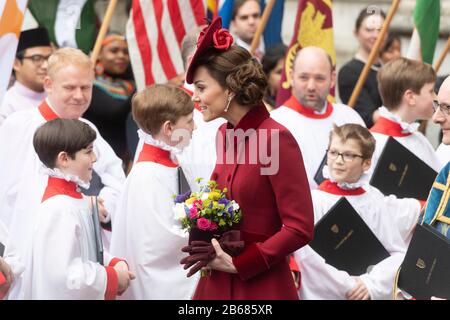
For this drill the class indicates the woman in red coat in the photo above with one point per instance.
(260, 163)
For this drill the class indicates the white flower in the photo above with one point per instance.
(235, 206)
(205, 196)
(178, 209)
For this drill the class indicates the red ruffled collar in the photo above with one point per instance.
(333, 188)
(388, 127)
(151, 153)
(295, 105)
(57, 186)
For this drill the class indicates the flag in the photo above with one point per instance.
(313, 27)
(272, 32)
(225, 12)
(212, 9)
(11, 18)
(426, 16)
(70, 23)
(155, 31)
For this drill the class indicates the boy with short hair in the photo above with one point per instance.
(63, 262)
(145, 231)
(348, 159)
(407, 90)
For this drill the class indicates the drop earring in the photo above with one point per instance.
(228, 103)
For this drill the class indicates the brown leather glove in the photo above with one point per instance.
(202, 252)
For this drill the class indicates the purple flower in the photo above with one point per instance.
(224, 201)
(182, 197)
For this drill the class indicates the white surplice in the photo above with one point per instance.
(443, 154)
(19, 97)
(384, 216)
(63, 263)
(147, 235)
(312, 134)
(23, 182)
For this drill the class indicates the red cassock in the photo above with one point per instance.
(277, 212)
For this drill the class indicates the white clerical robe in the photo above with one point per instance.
(320, 280)
(312, 131)
(19, 97)
(443, 154)
(23, 183)
(146, 233)
(12, 258)
(63, 263)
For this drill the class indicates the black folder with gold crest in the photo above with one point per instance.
(425, 271)
(97, 230)
(345, 241)
(318, 177)
(2, 249)
(402, 173)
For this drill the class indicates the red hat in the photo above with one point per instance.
(211, 37)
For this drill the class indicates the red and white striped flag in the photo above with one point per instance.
(155, 31)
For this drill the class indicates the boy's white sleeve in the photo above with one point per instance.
(59, 269)
(320, 280)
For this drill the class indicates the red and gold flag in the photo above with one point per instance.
(313, 27)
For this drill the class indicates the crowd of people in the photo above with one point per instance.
(74, 134)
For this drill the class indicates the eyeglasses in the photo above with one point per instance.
(37, 59)
(346, 156)
(445, 108)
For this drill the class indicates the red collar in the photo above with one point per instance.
(333, 188)
(57, 186)
(293, 103)
(388, 127)
(252, 119)
(151, 153)
(190, 93)
(47, 112)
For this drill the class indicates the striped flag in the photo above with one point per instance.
(155, 31)
(11, 19)
(212, 9)
(313, 27)
(70, 23)
(426, 15)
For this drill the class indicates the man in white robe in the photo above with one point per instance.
(30, 69)
(69, 88)
(307, 114)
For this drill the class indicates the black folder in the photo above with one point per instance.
(425, 271)
(318, 177)
(97, 230)
(345, 241)
(183, 185)
(2, 249)
(402, 173)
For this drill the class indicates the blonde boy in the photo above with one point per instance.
(145, 231)
(348, 159)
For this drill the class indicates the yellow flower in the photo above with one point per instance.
(190, 200)
(215, 195)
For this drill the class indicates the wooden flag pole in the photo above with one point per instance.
(262, 25)
(442, 56)
(103, 30)
(373, 54)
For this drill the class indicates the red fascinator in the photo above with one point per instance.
(212, 36)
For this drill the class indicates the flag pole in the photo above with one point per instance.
(373, 54)
(442, 56)
(262, 25)
(103, 30)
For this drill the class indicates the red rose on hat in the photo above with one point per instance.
(222, 39)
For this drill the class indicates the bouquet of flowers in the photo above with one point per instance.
(208, 210)
(207, 214)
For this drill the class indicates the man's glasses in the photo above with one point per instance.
(37, 59)
(445, 108)
(346, 156)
